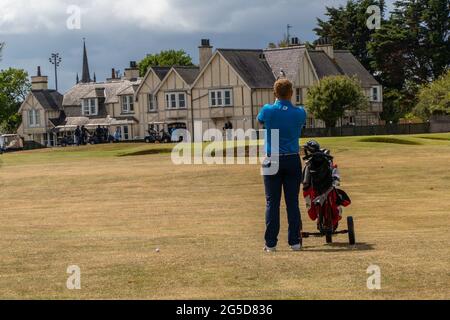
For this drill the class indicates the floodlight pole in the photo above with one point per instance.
(55, 59)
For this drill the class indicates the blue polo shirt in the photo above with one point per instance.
(289, 120)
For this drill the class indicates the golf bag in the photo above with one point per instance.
(320, 181)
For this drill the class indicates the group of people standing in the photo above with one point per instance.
(83, 136)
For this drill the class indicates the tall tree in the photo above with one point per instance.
(434, 98)
(332, 96)
(347, 27)
(165, 58)
(411, 49)
(14, 87)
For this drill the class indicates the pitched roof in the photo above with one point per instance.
(323, 64)
(352, 67)
(251, 67)
(189, 74)
(111, 90)
(286, 60)
(95, 93)
(49, 99)
(161, 72)
(58, 121)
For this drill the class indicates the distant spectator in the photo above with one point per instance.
(117, 135)
(84, 135)
(77, 136)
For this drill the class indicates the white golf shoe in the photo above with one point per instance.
(268, 249)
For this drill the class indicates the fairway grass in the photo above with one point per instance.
(109, 208)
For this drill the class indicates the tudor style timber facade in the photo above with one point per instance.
(229, 85)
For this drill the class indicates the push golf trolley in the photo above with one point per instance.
(323, 199)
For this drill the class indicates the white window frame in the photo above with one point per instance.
(34, 118)
(152, 103)
(89, 107)
(372, 96)
(173, 100)
(217, 98)
(127, 104)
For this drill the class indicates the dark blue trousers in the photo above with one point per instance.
(288, 179)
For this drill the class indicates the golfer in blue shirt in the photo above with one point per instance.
(289, 121)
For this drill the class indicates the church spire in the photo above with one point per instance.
(85, 77)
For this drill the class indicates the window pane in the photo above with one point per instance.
(228, 98)
(30, 118)
(219, 98)
(173, 101)
(150, 102)
(181, 100)
(92, 107)
(130, 103)
(213, 98)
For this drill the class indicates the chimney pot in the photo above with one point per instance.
(295, 41)
(39, 71)
(205, 43)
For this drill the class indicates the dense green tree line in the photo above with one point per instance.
(408, 51)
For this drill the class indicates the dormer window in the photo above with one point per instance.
(90, 107)
(34, 119)
(127, 104)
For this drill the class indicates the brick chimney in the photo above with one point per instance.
(205, 52)
(113, 75)
(132, 72)
(39, 82)
(325, 45)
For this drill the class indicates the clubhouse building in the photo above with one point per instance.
(228, 85)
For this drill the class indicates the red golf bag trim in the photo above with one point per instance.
(334, 200)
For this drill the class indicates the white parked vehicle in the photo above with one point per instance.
(10, 142)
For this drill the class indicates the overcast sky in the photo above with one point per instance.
(118, 31)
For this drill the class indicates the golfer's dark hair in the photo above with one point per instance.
(283, 88)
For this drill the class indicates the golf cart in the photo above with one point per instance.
(158, 137)
(324, 200)
(10, 142)
(172, 132)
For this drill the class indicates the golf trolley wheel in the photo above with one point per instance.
(351, 231)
